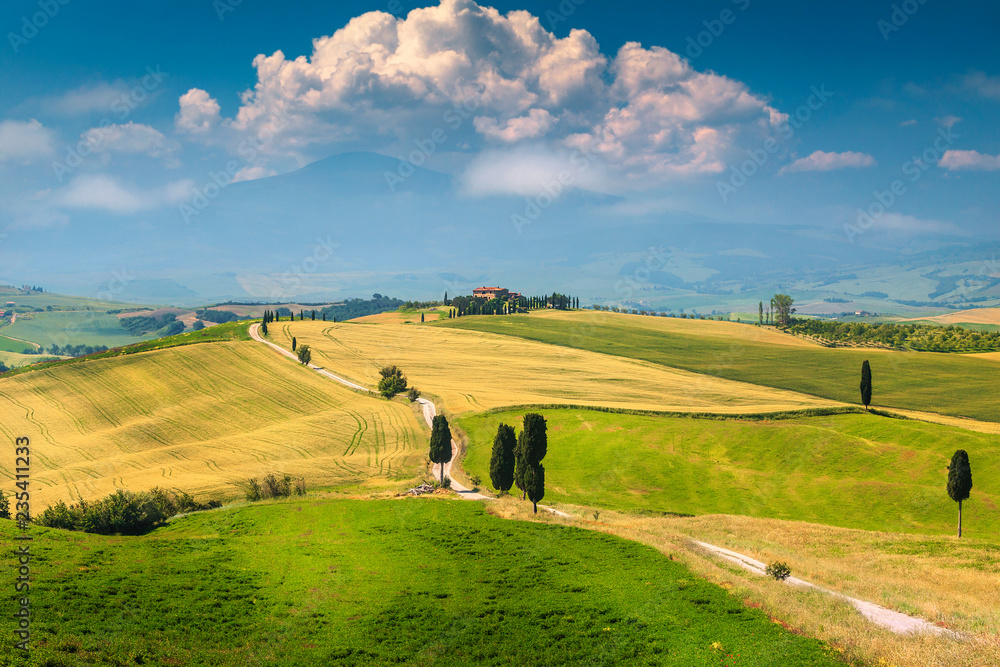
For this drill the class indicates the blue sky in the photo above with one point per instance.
(663, 123)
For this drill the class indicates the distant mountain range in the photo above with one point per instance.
(348, 226)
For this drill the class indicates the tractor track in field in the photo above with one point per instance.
(896, 622)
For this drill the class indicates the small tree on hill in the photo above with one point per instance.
(440, 442)
(782, 307)
(866, 383)
(393, 381)
(294, 343)
(304, 354)
(534, 482)
(959, 481)
(502, 461)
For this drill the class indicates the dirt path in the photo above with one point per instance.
(892, 620)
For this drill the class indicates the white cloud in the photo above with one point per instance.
(102, 192)
(530, 171)
(948, 121)
(99, 97)
(987, 86)
(253, 173)
(381, 83)
(24, 140)
(908, 123)
(901, 223)
(129, 138)
(199, 112)
(537, 123)
(822, 161)
(969, 160)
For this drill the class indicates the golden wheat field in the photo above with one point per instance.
(197, 417)
(473, 371)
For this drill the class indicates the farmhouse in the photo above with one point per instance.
(491, 292)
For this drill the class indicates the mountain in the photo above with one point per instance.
(358, 222)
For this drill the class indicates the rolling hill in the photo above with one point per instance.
(196, 418)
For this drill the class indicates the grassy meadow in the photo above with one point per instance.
(71, 327)
(471, 372)
(954, 384)
(856, 471)
(948, 581)
(195, 418)
(348, 582)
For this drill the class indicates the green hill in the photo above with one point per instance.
(855, 471)
(411, 582)
(954, 384)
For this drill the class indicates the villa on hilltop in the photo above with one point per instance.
(496, 293)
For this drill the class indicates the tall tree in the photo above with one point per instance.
(440, 442)
(294, 343)
(760, 312)
(446, 302)
(781, 304)
(520, 464)
(535, 439)
(959, 481)
(421, 318)
(866, 383)
(324, 316)
(314, 316)
(534, 482)
(263, 328)
(502, 460)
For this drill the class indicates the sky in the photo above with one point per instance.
(842, 115)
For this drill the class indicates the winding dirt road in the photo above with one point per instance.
(892, 620)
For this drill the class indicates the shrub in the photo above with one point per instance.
(124, 513)
(444, 483)
(4, 505)
(277, 488)
(250, 488)
(476, 480)
(393, 381)
(778, 571)
(413, 394)
(300, 486)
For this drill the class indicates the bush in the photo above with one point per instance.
(393, 381)
(300, 486)
(4, 506)
(122, 513)
(413, 394)
(60, 516)
(250, 488)
(198, 325)
(442, 484)
(778, 571)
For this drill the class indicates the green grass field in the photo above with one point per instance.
(71, 328)
(952, 384)
(854, 471)
(11, 345)
(411, 582)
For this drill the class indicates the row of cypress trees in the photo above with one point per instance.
(518, 460)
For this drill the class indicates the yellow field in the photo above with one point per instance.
(396, 317)
(972, 316)
(474, 371)
(197, 417)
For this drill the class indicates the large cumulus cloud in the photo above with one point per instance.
(381, 82)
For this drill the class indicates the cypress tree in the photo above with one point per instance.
(959, 481)
(324, 316)
(866, 383)
(760, 312)
(502, 461)
(520, 463)
(534, 482)
(263, 328)
(535, 439)
(294, 343)
(440, 442)
(314, 316)
(446, 299)
(421, 318)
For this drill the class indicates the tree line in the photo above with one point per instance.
(919, 337)
(517, 460)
